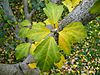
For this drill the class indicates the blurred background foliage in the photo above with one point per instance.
(85, 56)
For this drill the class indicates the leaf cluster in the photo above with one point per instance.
(45, 48)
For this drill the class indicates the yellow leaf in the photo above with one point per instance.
(33, 46)
(83, 74)
(71, 4)
(47, 22)
(56, 25)
(72, 33)
(68, 4)
(75, 2)
(32, 65)
(64, 44)
(38, 23)
(61, 62)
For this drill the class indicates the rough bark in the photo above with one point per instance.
(6, 69)
(55, 1)
(80, 13)
(26, 9)
(19, 68)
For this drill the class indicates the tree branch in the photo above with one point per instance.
(26, 9)
(55, 1)
(19, 68)
(32, 12)
(27, 14)
(80, 13)
(7, 10)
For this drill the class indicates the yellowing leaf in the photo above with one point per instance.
(38, 32)
(72, 33)
(33, 46)
(40, 24)
(64, 44)
(53, 12)
(61, 62)
(68, 4)
(75, 2)
(47, 22)
(46, 54)
(71, 4)
(32, 65)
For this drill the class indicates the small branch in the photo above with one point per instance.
(27, 14)
(55, 1)
(26, 8)
(12, 69)
(19, 68)
(32, 12)
(80, 13)
(9, 46)
(7, 10)
(29, 59)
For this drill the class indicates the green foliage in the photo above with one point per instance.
(48, 47)
(46, 54)
(22, 32)
(22, 50)
(38, 32)
(37, 4)
(53, 12)
(72, 33)
(25, 23)
(44, 47)
(96, 8)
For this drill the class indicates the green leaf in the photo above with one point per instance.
(25, 23)
(22, 50)
(72, 33)
(22, 32)
(38, 24)
(46, 54)
(96, 8)
(38, 32)
(71, 4)
(53, 12)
